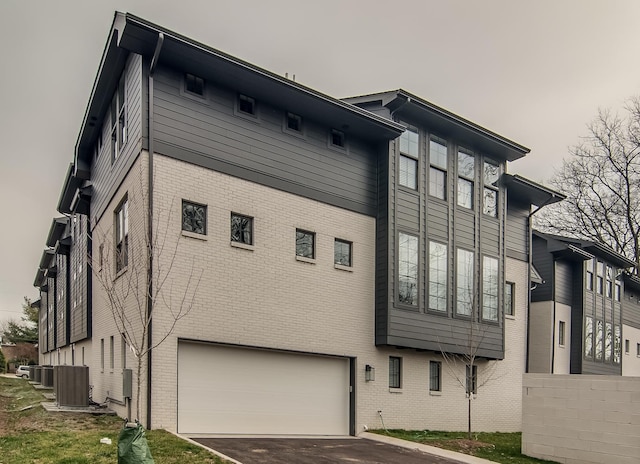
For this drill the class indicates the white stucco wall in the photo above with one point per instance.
(631, 359)
(562, 353)
(541, 336)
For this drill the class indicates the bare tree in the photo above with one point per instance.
(137, 272)
(602, 182)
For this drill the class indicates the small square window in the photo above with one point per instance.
(194, 217)
(294, 122)
(395, 373)
(342, 252)
(337, 138)
(194, 84)
(305, 244)
(241, 229)
(246, 104)
(435, 373)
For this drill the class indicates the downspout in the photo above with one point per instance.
(530, 255)
(152, 68)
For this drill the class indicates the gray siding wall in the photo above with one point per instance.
(43, 329)
(516, 235)
(51, 314)
(543, 262)
(563, 282)
(210, 132)
(80, 308)
(415, 212)
(631, 308)
(577, 318)
(383, 239)
(106, 176)
(61, 301)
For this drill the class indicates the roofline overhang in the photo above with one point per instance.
(58, 226)
(39, 279)
(45, 260)
(632, 281)
(533, 192)
(490, 143)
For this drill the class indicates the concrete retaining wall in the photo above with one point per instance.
(581, 419)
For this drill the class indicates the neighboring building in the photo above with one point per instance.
(583, 309)
(344, 247)
(631, 325)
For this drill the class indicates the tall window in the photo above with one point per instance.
(466, 171)
(608, 342)
(464, 282)
(435, 374)
(194, 217)
(122, 235)
(618, 290)
(509, 295)
(241, 229)
(118, 120)
(609, 281)
(599, 342)
(438, 169)
(305, 244)
(102, 354)
(409, 149)
(342, 252)
(617, 345)
(395, 372)
(588, 337)
(472, 379)
(626, 346)
(437, 276)
(489, 288)
(561, 327)
(111, 354)
(599, 280)
(490, 193)
(123, 351)
(589, 282)
(407, 269)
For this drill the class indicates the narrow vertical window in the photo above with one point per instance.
(608, 342)
(342, 252)
(472, 379)
(626, 346)
(617, 345)
(638, 349)
(490, 193)
(241, 229)
(305, 244)
(561, 326)
(600, 277)
(123, 351)
(588, 337)
(111, 354)
(102, 354)
(464, 282)
(118, 120)
(466, 172)
(395, 373)
(589, 275)
(122, 235)
(194, 217)
(438, 160)
(435, 373)
(489, 288)
(508, 298)
(609, 287)
(599, 342)
(618, 291)
(408, 269)
(437, 276)
(409, 149)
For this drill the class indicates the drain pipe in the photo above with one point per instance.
(152, 68)
(382, 420)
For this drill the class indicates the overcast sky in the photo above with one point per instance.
(535, 72)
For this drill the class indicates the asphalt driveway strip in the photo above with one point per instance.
(317, 451)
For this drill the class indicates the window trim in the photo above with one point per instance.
(123, 207)
(393, 375)
(341, 135)
(285, 124)
(304, 258)
(119, 119)
(254, 115)
(430, 280)
(471, 180)
(435, 377)
(193, 233)
(350, 249)
(473, 283)
(561, 333)
(485, 259)
(512, 299)
(185, 86)
(399, 302)
(239, 243)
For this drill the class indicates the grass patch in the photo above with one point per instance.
(498, 447)
(36, 436)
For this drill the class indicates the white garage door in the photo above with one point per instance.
(248, 391)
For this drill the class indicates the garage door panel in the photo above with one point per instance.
(236, 390)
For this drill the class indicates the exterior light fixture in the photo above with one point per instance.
(369, 373)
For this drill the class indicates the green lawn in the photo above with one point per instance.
(34, 435)
(497, 447)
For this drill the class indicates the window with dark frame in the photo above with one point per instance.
(337, 138)
(118, 120)
(305, 244)
(588, 337)
(408, 269)
(561, 327)
(509, 295)
(246, 104)
(638, 350)
(122, 235)
(437, 276)
(491, 173)
(241, 229)
(466, 173)
(435, 374)
(589, 282)
(464, 282)
(194, 84)
(626, 346)
(395, 372)
(111, 354)
(472, 379)
(438, 159)
(489, 288)
(600, 278)
(408, 164)
(194, 217)
(342, 252)
(294, 122)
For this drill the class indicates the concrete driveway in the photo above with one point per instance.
(319, 451)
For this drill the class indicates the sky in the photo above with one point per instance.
(535, 72)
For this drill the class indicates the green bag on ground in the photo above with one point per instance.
(132, 445)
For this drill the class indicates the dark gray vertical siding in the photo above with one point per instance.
(464, 230)
(490, 236)
(563, 282)
(438, 221)
(208, 132)
(61, 301)
(43, 329)
(106, 176)
(408, 210)
(51, 314)
(80, 275)
(577, 318)
(631, 308)
(383, 239)
(543, 262)
(517, 237)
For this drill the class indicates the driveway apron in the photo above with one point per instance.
(317, 451)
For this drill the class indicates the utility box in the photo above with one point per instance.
(71, 385)
(127, 383)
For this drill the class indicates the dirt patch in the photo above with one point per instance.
(461, 445)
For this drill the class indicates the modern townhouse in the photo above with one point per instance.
(585, 309)
(326, 264)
